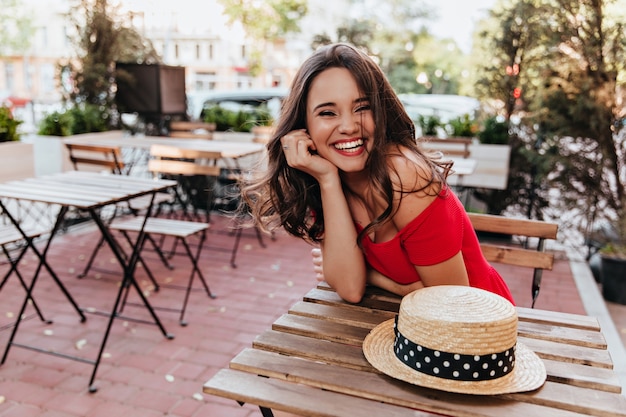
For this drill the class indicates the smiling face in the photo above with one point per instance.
(340, 120)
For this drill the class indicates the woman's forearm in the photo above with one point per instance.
(344, 265)
(379, 280)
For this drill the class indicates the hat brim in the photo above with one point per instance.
(528, 374)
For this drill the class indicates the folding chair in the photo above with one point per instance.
(181, 231)
(98, 156)
(227, 198)
(11, 237)
(194, 170)
(108, 157)
(177, 163)
(191, 130)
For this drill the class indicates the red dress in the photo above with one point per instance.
(438, 233)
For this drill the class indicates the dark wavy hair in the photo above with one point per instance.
(287, 197)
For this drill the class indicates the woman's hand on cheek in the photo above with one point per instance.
(301, 153)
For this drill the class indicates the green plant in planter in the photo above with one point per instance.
(615, 245)
(56, 124)
(429, 124)
(237, 121)
(462, 126)
(494, 132)
(613, 261)
(88, 118)
(77, 119)
(8, 125)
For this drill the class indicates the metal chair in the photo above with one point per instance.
(180, 164)
(11, 240)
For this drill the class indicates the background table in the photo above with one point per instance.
(231, 151)
(311, 364)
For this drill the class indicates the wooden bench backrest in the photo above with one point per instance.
(101, 156)
(457, 146)
(537, 258)
(191, 130)
(179, 161)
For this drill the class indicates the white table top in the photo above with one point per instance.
(84, 190)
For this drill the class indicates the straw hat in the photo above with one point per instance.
(456, 339)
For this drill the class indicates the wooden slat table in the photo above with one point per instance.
(311, 364)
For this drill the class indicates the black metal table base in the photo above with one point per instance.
(128, 281)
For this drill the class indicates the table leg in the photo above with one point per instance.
(266, 412)
(42, 262)
(13, 269)
(41, 256)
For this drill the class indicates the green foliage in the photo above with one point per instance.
(237, 121)
(88, 118)
(571, 79)
(17, 27)
(8, 125)
(462, 126)
(267, 19)
(494, 132)
(56, 124)
(73, 121)
(104, 36)
(429, 124)
(614, 250)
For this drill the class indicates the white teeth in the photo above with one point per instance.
(348, 145)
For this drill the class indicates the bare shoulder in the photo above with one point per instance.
(408, 169)
(414, 189)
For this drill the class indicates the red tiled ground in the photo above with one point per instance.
(143, 373)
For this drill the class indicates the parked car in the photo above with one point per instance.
(444, 106)
(236, 100)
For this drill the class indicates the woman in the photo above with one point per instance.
(345, 171)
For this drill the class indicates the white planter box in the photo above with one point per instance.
(50, 154)
(16, 161)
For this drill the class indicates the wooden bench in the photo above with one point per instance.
(191, 130)
(522, 255)
(457, 146)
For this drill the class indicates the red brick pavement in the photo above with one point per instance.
(143, 374)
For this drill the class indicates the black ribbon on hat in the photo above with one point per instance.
(455, 366)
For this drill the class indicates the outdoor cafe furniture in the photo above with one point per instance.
(230, 152)
(89, 192)
(311, 363)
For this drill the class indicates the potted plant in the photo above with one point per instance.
(8, 126)
(17, 156)
(613, 260)
(461, 127)
(429, 125)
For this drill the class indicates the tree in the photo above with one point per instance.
(391, 32)
(571, 76)
(576, 106)
(103, 37)
(265, 21)
(16, 27)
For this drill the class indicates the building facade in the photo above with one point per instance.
(215, 54)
